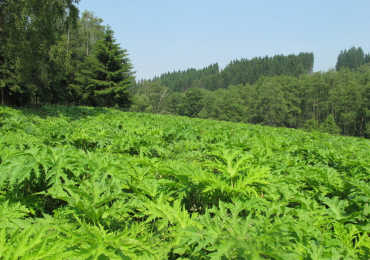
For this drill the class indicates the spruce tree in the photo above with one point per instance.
(107, 74)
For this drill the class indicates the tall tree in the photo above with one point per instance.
(271, 105)
(192, 103)
(28, 30)
(107, 74)
(91, 30)
(353, 58)
(82, 43)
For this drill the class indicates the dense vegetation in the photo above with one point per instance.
(96, 183)
(353, 58)
(238, 72)
(48, 55)
(306, 101)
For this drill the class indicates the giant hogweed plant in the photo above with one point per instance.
(235, 231)
(232, 172)
(84, 183)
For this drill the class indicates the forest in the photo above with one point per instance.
(335, 101)
(51, 54)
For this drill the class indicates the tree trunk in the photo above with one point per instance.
(87, 46)
(160, 100)
(313, 108)
(68, 40)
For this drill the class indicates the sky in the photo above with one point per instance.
(172, 35)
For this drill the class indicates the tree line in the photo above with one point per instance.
(332, 101)
(51, 55)
(241, 71)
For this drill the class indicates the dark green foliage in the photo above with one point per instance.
(175, 100)
(80, 43)
(238, 72)
(353, 58)
(367, 58)
(29, 34)
(249, 71)
(283, 101)
(191, 104)
(106, 75)
(228, 105)
(277, 102)
(43, 45)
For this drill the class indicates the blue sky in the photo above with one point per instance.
(165, 35)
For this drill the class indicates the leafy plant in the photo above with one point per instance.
(84, 183)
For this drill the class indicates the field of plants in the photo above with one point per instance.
(94, 183)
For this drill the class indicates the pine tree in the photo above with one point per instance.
(107, 74)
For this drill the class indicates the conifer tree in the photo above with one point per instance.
(107, 74)
(353, 58)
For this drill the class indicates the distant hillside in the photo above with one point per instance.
(241, 71)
